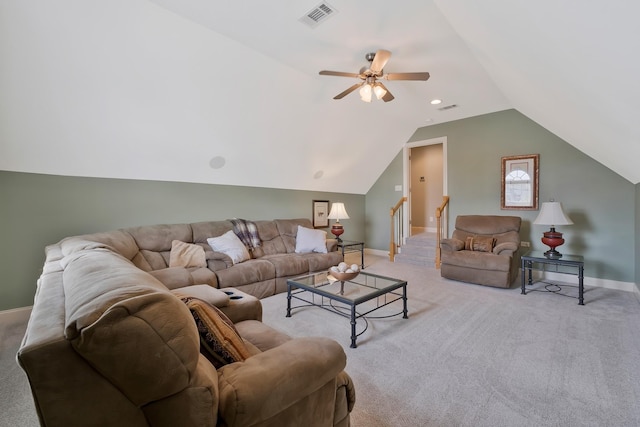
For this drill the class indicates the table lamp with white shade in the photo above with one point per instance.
(338, 212)
(551, 214)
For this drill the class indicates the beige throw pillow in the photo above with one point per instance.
(206, 293)
(186, 255)
(479, 243)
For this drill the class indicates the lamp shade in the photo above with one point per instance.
(379, 90)
(338, 212)
(365, 92)
(551, 214)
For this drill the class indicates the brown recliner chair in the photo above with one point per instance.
(483, 249)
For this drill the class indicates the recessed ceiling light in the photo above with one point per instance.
(436, 101)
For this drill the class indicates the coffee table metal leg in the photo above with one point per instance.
(288, 300)
(404, 302)
(353, 327)
(581, 285)
(523, 277)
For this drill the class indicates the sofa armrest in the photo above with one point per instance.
(332, 245)
(505, 247)
(270, 382)
(451, 245)
(344, 380)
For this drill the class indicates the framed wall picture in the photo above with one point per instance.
(519, 178)
(320, 213)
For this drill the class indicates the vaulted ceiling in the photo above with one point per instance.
(229, 92)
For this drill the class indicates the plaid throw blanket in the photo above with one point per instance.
(247, 232)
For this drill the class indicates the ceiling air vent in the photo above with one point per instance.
(318, 14)
(448, 107)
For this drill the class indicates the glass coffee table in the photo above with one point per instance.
(322, 290)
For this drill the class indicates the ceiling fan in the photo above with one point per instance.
(369, 76)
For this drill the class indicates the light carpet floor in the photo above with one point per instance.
(468, 355)
(472, 355)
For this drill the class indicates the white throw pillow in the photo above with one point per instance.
(230, 245)
(308, 240)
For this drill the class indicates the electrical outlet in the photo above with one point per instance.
(525, 244)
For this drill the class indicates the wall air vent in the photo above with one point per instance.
(448, 107)
(318, 14)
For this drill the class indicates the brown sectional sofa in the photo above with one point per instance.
(109, 341)
(265, 274)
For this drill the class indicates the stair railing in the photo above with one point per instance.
(441, 227)
(397, 228)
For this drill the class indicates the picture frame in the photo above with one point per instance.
(320, 213)
(519, 182)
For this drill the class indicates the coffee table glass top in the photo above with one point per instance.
(363, 287)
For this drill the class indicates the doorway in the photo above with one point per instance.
(425, 183)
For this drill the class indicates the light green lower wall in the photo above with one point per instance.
(380, 199)
(601, 203)
(37, 210)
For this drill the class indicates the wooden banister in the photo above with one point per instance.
(440, 227)
(392, 242)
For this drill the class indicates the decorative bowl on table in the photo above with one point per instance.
(343, 276)
(344, 272)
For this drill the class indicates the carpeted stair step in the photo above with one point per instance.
(419, 249)
(414, 260)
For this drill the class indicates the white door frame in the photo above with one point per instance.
(406, 171)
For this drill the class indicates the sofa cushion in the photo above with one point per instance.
(220, 342)
(260, 335)
(308, 240)
(186, 255)
(206, 293)
(203, 230)
(288, 264)
(118, 241)
(158, 238)
(271, 241)
(319, 262)
(288, 229)
(477, 260)
(138, 337)
(94, 280)
(230, 245)
(250, 271)
(488, 224)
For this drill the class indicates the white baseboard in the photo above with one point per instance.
(593, 281)
(567, 278)
(376, 252)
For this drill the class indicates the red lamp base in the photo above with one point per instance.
(337, 230)
(553, 239)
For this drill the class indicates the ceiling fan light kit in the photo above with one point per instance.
(369, 76)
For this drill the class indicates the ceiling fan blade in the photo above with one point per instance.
(337, 73)
(387, 96)
(348, 91)
(380, 60)
(407, 76)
